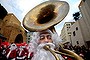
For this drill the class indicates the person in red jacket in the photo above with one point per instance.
(2, 48)
(11, 52)
(22, 52)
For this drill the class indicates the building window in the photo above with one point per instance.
(77, 42)
(68, 24)
(69, 32)
(5, 20)
(76, 28)
(28, 35)
(74, 33)
(28, 38)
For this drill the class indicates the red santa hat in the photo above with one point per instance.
(5, 44)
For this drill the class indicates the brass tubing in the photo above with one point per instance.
(64, 54)
(76, 57)
(48, 48)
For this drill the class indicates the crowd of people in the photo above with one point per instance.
(15, 51)
(82, 51)
(35, 49)
(32, 51)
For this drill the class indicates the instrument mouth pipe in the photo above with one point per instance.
(64, 52)
(47, 47)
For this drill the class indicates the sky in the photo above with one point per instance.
(21, 7)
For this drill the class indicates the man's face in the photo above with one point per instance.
(45, 38)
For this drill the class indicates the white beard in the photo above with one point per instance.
(42, 54)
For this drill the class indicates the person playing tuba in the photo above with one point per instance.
(39, 40)
(45, 40)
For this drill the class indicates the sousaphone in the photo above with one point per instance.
(45, 15)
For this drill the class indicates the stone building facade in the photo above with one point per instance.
(84, 7)
(11, 28)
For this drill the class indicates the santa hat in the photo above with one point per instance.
(5, 44)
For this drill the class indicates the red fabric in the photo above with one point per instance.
(31, 55)
(12, 54)
(23, 53)
(5, 44)
(18, 45)
(68, 58)
(0, 48)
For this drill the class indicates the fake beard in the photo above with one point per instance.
(42, 54)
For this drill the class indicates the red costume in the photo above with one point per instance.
(22, 52)
(11, 52)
